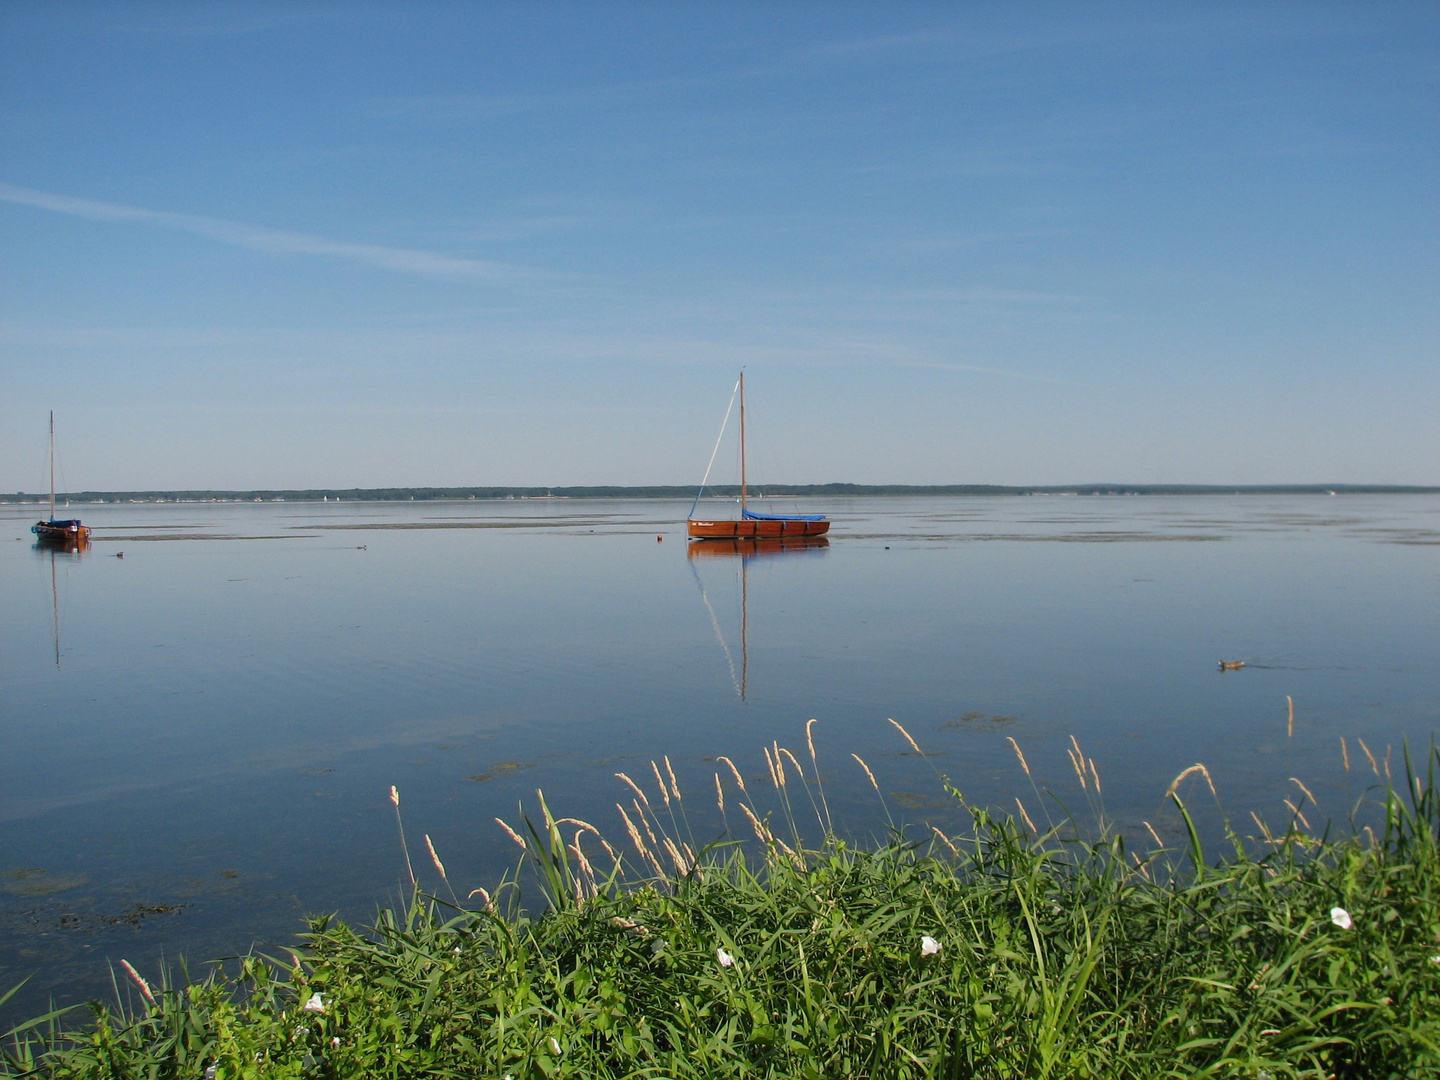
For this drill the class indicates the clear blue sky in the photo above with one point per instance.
(346, 244)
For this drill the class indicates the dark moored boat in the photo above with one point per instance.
(67, 532)
(751, 524)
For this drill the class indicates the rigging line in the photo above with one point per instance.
(716, 450)
(714, 622)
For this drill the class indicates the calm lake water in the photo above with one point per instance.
(197, 741)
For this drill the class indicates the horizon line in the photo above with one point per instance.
(430, 493)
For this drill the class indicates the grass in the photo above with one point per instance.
(1005, 952)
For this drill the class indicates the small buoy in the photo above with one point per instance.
(659, 539)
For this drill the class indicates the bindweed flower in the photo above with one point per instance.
(726, 960)
(929, 946)
(335, 1042)
(316, 1004)
(1341, 918)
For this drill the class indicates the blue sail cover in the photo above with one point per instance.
(751, 515)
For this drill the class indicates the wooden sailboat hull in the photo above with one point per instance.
(747, 528)
(60, 532)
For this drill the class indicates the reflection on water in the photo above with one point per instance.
(747, 548)
(197, 741)
(744, 550)
(53, 549)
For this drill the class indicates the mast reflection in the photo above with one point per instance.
(746, 550)
(57, 549)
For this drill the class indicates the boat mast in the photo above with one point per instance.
(52, 464)
(742, 444)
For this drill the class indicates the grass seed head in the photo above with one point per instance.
(913, 744)
(946, 841)
(1192, 770)
(435, 858)
(633, 787)
(674, 784)
(868, 773)
(660, 783)
(740, 780)
(139, 981)
(513, 835)
(1023, 763)
(1026, 817)
(1374, 765)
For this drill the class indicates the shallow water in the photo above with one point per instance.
(199, 737)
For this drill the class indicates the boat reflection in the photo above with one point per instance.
(746, 549)
(50, 545)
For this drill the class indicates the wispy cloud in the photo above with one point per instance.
(431, 264)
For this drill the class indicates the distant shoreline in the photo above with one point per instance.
(432, 494)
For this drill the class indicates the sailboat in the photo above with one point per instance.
(52, 531)
(750, 524)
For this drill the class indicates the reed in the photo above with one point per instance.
(1003, 952)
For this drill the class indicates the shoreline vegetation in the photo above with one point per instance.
(1013, 950)
(432, 494)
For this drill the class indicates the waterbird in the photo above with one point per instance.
(1231, 665)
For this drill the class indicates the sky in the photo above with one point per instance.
(334, 245)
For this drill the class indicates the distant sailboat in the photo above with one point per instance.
(750, 524)
(68, 532)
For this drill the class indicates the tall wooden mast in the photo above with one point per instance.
(52, 464)
(742, 442)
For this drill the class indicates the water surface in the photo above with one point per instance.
(199, 737)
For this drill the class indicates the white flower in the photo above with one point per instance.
(335, 1042)
(316, 1004)
(726, 960)
(555, 1045)
(1341, 918)
(1435, 959)
(929, 946)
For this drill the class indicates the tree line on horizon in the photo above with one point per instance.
(673, 491)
